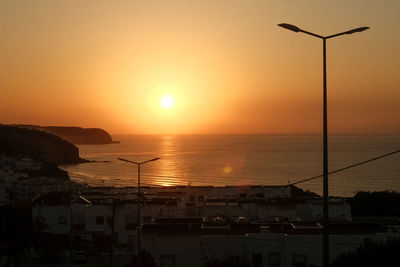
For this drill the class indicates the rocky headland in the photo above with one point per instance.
(74, 135)
(29, 161)
(37, 145)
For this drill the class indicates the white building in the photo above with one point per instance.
(281, 245)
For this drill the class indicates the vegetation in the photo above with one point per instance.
(375, 204)
(38, 145)
(78, 135)
(15, 231)
(298, 192)
(49, 170)
(372, 254)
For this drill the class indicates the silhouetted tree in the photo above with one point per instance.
(298, 192)
(15, 232)
(370, 204)
(372, 254)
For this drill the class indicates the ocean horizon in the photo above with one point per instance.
(243, 159)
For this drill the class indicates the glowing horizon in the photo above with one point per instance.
(189, 67)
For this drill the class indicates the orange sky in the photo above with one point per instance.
(227, 65)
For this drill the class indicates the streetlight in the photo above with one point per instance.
(138, 204)
(325, 218)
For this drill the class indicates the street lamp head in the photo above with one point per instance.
(289, 27)
(138, 163)
(361, 29)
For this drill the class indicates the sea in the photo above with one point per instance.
(243, 160)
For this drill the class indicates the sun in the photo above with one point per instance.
(167, 101)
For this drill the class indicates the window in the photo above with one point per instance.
(115, 238)
(62, 220)
(274, 259)
(299, 261)
(235, 260)
(99, 220)
(146, 219)
(167, 261)
(130, 227)
(131, 243)
(191, 211)
(79, 227)
(160, 212)
(109, 220)
(130, 218)
(257, 260)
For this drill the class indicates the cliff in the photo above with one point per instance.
(38, 145)
(75, 135)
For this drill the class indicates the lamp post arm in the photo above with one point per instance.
(360, 29)
(148, 161)
(138, 163)
(312, 34)
(128, 161)
(336, 35)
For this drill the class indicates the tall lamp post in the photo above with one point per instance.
(325, 218)
(139, 229)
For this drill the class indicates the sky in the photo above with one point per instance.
(200, 66)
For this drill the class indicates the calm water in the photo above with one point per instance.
(241, 160)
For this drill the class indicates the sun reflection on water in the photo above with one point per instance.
(168, 173)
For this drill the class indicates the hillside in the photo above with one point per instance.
(38, 145)
(75, 135)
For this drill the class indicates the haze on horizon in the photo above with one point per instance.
(195, 67)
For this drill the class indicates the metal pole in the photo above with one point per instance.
(325, 218)
(325, 164)
(112, 232)
(71, 236)
(139, 224)
(138, 219)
